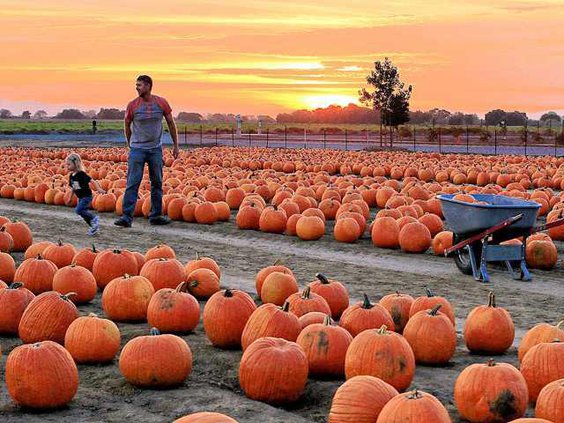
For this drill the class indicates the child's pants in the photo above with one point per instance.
(82, 209)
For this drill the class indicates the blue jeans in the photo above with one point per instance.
(135, 166)
(82, 209)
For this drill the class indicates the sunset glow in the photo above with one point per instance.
(271, 56)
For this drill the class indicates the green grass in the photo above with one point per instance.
(72, 126)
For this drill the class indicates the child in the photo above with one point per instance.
(79, 182)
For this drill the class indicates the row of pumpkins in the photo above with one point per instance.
(291, 336)
(300, 204)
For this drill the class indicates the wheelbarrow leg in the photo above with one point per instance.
(515, 274)
(525, 275)
(476, 273)
(483, 274)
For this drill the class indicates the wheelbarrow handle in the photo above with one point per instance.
(483, 234)
(546, 226)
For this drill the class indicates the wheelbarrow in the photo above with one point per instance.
(480, 229)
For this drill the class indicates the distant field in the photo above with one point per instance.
(70, 126)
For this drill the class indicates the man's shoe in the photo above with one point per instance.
(160, 220)
(123, 223)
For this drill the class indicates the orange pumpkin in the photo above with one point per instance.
(126, 299)
(173, 310)
(334, 292)
(550, 402)
(543, 332)
(415, 407)
(541, 365)
(365, 315)
(13, 301)
(75, 279)
(398, 305)
(90, 339)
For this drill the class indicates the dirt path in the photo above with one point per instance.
(213, 385)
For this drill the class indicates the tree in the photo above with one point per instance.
(26, 114)
(5, 114)
(70, 114)
(40, 114)
(551, 116)
(189, 117)
(493, 117)
(390, 96)
(110, 114)
(89, 114)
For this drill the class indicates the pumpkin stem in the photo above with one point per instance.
(163, 259)
(306, 293)
(126, 276)
(415, 394)
(116, 251)
(435, 310)
(491, 299)
(429, 292)
(491, 362)
(194, 284)
(228, 293)
(155, 332)
(398, 294)
(181, 286)
(92, 315)
(39, 256)
(278, 262)
(67, 296)
(285, 306)
(383, 330)
(327, 321)
(322, 278)
(560, 325)
(15, 285)
(197, 255)
(60, 242)
(366, 303)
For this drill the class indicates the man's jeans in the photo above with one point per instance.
(82, 209)
(135, 165)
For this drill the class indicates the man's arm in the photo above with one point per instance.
(173, 133)
(127, 130)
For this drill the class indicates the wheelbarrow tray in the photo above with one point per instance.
(467, 219)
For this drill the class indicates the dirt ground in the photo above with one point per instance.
(213, 385)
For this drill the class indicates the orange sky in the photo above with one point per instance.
(268, 56)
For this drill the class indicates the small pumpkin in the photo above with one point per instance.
(76, 279)
(415, 407)
(36, 274)
(86, 257)
(398, 305)
(90, 339)
(203, 263)
(203, 283)
(13, 301)
(334, 292)
(205, 417)
(112, 264)
(429, 301)
(550, 402)
(263, 273)
(60, 254)
(541, 365)
(173, 310)
(163, 272)
(160, 251)
(7, 267)
(277, 287)
(307, 301)
(21, 235)
(126, 299)
(365, 315)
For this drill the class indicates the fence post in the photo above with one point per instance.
(185, 135)
(414, 139)
(232, 137)
(555, 139)
(285, 136)
(216, 136)
(305, 137)
(346, 139)
(467, 140)
(249, 137)
(267, 130)
(440, 141)
(324, 138)
(495, 141)
(201, 134)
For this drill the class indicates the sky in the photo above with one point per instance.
(271, 56)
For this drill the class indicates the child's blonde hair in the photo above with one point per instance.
(75, 158)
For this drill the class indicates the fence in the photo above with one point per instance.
(470, 140)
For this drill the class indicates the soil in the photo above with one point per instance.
(105, 396)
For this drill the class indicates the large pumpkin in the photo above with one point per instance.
(489, 329)
(111, 264)
(383, 354)
(490, 392)
(365, 315)
(163, 272)
(86, 257)
(325, 346)
(543, 332)
(126, 299)
(385, 232)
(47, 318)
(415, 238)
(75, 279)
(13, 302)
(431, 337)
(60, 254)
(334, 292)
(36, 274)
(173, 310)
(269, 320)
(310, 228)
(90, 339)
(550, 402)
(156, 361)
(360, 400)
(225, 315)
(21, 234)
(541, 365)
(41, 375)
(541, 254)
(414, 407)
(273, 370)
(203, 283)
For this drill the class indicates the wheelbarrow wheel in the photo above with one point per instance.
(462, 257)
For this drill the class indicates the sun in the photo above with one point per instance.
(325, 100)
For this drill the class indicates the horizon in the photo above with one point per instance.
(273, 57)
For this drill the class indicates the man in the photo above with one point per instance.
(143, 132)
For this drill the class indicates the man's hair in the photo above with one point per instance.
(146, 79)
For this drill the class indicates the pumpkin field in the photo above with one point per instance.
(291, 286)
